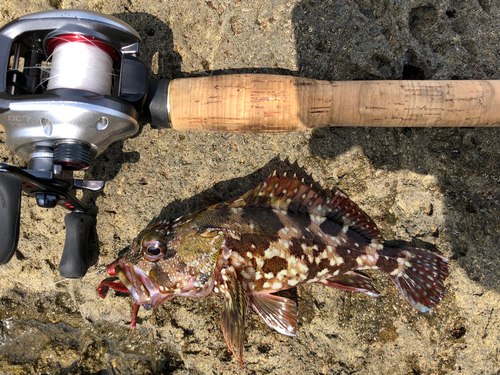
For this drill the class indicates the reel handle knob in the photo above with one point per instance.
(10, 214)
(74, 260)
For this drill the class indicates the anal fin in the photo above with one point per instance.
(278, 312)
(352, 281)
(234, 313)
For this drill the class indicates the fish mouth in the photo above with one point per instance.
(143, 290)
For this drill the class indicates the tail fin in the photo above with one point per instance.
(420, 276)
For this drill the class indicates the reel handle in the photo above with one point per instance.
(74, 259)
(10, 214)
(263, 103)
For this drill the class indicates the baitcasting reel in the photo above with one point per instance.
(70, 85)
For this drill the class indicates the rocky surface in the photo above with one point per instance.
(438, 188)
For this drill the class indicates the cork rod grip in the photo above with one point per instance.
(256, 103)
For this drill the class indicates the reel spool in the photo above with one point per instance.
(70, 85)
(69, 75)
(81, 62)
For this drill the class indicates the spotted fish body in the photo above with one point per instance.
(274, 237)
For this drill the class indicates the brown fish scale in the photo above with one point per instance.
(275, 265)
(349, 256)
(296, 236)
(299, 257)
(263, 270)
(389, 262)
(295, 248)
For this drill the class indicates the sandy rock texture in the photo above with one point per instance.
(436, 188)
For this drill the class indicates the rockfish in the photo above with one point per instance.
(276, 236)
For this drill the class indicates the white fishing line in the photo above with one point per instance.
(80, 65)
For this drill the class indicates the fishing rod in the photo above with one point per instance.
(71, 84)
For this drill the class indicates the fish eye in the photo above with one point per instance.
(153, 250)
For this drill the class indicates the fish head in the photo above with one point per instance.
(167, 260)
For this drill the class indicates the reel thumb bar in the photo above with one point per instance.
(261, 103)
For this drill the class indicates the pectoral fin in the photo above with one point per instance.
(278, 312)
(234, 313)
(352, 281)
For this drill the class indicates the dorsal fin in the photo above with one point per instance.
(294, 195)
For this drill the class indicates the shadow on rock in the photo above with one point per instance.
(359, 40)
(225, 190)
